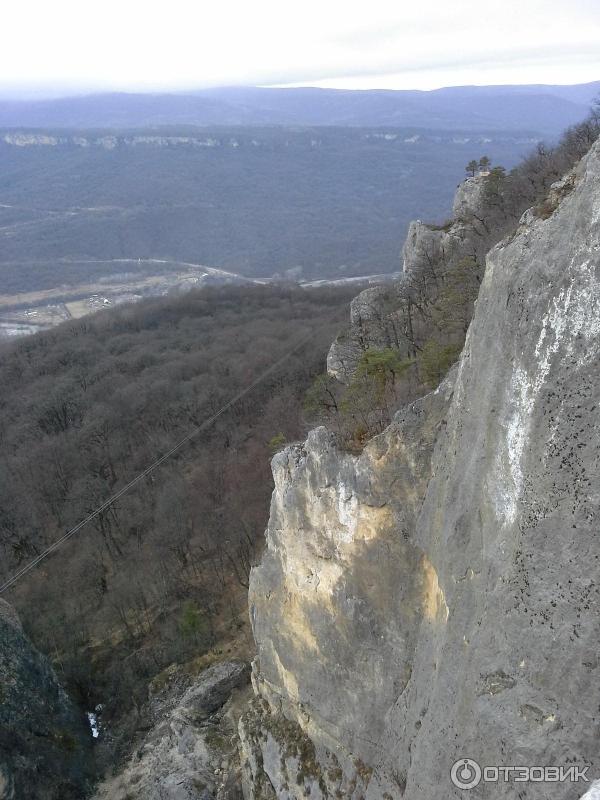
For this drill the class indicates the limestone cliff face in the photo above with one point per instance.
(45, 743)
(465, 234)
(438, 596)
(469, 198)
(428, 249)
(336, 597)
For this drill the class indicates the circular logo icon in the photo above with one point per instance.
(465, 773)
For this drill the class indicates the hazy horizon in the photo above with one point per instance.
(41, 92)
(138, 47)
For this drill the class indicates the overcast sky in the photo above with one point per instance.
(182, 44)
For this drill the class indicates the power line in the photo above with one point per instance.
(198, 429)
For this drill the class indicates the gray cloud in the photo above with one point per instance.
(586, 53)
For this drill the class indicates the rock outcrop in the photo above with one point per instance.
(45, 743)
(429, 250)
(334, 600)
(188, 750)
(469, 198)
(438, 597)
(371, 318)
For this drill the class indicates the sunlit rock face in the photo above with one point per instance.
(338, 600)
(437, 597)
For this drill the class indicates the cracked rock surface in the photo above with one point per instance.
(438, 596)
(189, 751)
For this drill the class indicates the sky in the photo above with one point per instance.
(71, 46)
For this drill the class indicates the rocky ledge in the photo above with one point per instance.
(187, 749)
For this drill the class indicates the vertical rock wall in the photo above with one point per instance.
(438, 597)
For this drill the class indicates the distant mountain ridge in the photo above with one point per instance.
(544, 108)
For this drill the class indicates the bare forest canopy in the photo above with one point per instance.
(161, 575)
(324, 202)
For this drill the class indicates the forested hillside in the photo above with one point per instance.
(333, 202)
(161, 575)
